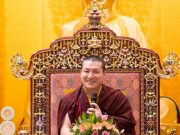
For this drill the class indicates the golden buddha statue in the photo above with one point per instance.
(121, 25)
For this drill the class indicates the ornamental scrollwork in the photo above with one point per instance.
(171, 66)
(119, 53)
(19, 67)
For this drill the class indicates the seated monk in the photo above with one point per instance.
(109, 101)
(121, 25)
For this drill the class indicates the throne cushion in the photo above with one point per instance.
(63, 83)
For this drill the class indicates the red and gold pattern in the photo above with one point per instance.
(122, 55)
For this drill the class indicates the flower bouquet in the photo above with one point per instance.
(93, 124)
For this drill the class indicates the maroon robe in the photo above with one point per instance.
(112, 102)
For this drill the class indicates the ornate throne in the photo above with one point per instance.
(55, 72)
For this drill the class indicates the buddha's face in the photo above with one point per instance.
(105, 3)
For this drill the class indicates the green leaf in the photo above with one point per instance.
(92, 118)
(84, 118)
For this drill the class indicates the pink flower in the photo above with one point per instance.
(82, 128)
(105, 133)
(95, 133)
(97, 126)
(104, 117)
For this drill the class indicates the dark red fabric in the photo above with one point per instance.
(111, 102)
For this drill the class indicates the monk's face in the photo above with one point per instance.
(105, 3)
(92, 75)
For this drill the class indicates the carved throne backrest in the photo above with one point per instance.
(124, 59)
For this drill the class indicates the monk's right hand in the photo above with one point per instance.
(94, 108)
(90, 110)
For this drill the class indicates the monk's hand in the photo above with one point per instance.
(94, 108)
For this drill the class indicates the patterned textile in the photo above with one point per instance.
(63, 83)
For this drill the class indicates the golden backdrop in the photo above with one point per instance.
(27, 26)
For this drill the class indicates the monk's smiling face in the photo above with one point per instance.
(92, 75)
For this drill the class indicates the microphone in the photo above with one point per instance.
(94, 98)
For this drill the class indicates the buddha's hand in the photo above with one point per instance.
(94, 108)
